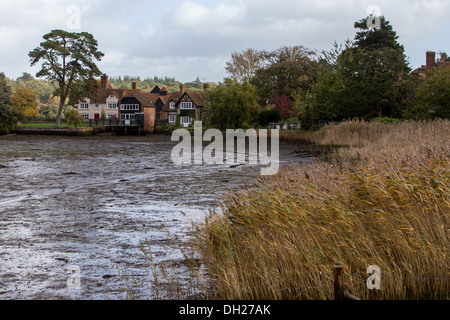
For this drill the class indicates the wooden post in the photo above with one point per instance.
(339, 283)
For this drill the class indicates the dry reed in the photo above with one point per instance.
(383, 199)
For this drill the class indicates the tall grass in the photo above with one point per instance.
(383, 199)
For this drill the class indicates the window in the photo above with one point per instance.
(112, 105)
(84, 105)
(85, 116)
(96, 105)
(112, 96)
(127, 116)
(172, 118)
(186, 120)
(128, 107)
(112, 116)
(187, 106)
(172, 105)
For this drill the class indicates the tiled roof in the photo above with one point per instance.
(103, 94)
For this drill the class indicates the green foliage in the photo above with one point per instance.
(387, 120)
(366, 79)
(168, 128)
(68, 59)
(267, 116)
(43, 89)
(148, 84)
(74, 118)
(48, 112)
(433, 96)
(230, 105)
(288, 70)
(6, 111)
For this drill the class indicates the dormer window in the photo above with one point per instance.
(112, 96)
(172, 105)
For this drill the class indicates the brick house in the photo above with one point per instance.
(144, 109)
(431, 63)
(187, 105)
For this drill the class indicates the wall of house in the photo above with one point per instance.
(149, 119)
(97, 109)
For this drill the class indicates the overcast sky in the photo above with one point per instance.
(187, 39)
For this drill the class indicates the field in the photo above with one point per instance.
(380, 196)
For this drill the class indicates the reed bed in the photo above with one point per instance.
(382, 198)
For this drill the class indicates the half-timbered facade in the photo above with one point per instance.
(146, 110)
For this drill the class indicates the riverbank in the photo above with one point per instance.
(381, 198)
(63, 131)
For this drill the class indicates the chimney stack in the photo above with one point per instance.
(104, 82)
(431, 60)
(182, 88)
(134, 85)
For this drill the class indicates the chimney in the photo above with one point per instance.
(104, 81)
(134, 86)
(431, 60)
(182, 88)
(206, 87)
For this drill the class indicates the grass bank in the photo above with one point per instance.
(381, 198)
(49, 125)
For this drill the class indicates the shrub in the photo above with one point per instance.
(74, 118)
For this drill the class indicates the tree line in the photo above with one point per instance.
(368, 77)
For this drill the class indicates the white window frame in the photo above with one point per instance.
(187, 106)
(84, 105)
(85, 116)
(112, 105)
(172, 105)
(183, 118)
(129, 107)
(172, 118)
(127, 116)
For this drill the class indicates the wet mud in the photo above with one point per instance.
(92, 202)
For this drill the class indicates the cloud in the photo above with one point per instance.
(190, 38)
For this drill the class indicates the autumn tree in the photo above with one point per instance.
(244, 64)
(68, 58)
(25, 103)
(6, 111)
(288, 70)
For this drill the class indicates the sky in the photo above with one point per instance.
(187, 39)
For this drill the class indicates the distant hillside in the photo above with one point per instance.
(148, 84)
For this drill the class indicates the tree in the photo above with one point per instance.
(243, 65)
(68, 58)
(74, 118)
(25, 103)
(288, 70)
(433, 96)
(283, 106)
(267, 116)
(366, 80)
(6, 111)
(231, 105)
(378, 38)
